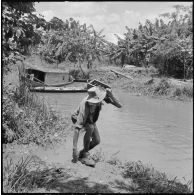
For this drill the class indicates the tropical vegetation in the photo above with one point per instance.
(167, 46)
(164, 45)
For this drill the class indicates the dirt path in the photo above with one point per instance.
(78, 178)
(63, 176)
(104, 178)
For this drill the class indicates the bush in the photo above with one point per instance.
(79, 74)
(9, 114)
(188, 91)
(16, 178)
(27, 119)
(27, 174)
(177, 92)
(162, 87)
(152, 70)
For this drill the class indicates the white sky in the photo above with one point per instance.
(110, 16)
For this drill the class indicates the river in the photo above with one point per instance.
(158, 132)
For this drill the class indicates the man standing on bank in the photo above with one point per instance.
(85, 117)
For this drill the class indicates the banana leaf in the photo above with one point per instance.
(116, 55)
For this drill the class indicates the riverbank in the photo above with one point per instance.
(27, 168)
(39, 170)
(143, 82)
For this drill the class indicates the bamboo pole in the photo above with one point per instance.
(118, 73)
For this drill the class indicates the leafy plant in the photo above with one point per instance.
(71, 41)
(19, 31)
(166, 45)
(151, 181)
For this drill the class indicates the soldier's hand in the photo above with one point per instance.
(109, 92)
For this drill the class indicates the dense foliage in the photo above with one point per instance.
(166, 45)
(26, 119)
(71, 41)
(19, 30)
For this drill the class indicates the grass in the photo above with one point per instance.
(28, 174)
(145, 177)
(99, 156)
(183, 92)
(16, 177)
(149, 180)
(27, 119)
(162, 88)
(144, 83)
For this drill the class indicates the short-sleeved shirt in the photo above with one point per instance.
(82, 115)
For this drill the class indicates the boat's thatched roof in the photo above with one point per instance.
(46, 70)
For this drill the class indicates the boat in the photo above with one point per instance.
(58, 81)
(53, 80)
(59, 89)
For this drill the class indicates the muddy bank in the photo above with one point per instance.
(41, 170)
(144, 82)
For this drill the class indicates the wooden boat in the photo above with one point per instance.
(53, 81)
(57, 81)
(59, 89)
(72, 88)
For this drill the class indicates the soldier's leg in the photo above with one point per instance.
(87, 137)
(95, 138)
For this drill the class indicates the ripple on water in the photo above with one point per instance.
(151, 130)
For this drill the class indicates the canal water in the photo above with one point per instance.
(155, 131)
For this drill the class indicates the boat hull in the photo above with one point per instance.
(58, 90)
(71, 87)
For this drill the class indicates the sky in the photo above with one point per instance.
(111, 16)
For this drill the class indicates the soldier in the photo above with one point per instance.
(85, 117)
